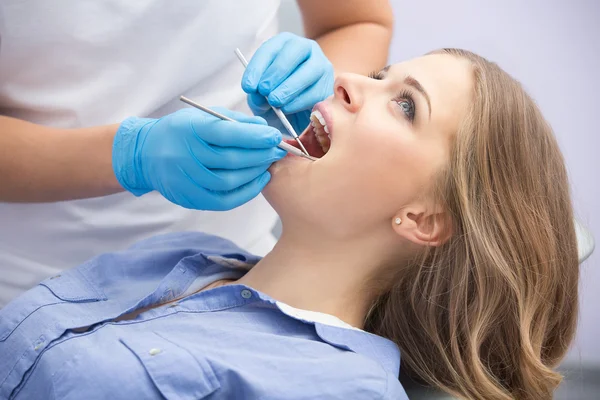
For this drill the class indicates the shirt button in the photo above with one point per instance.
(39, 343)
(246, 294)
(56, 276)
(154, 351)
(167, 295)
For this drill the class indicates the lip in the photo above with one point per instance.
(295, 157)
(323, 109)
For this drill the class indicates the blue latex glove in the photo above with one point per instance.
(196, 160)
(293, 74)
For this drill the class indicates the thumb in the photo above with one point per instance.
(258, 103)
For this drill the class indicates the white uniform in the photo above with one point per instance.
(70, 64)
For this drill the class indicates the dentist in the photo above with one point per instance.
(95, 151)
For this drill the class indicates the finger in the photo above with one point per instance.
(305, 76)
(258, 103)
(260, 61)
(231, 158)
(229, 179)
(306, 100)
(284, 64)
(241, 195)
(193, 201)
(235, 134)
(245, 136)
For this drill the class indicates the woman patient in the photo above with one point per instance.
(435, 228)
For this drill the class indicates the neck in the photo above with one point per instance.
(313, 274)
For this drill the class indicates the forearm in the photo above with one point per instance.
(42, 164)
(354, 34)
(359, 48)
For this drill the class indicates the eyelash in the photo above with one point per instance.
(378, 75)
(404, 95)
(407, 97)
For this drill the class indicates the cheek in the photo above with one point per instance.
(387, 166)
(366, 179)
(367, 176)
(329, 197)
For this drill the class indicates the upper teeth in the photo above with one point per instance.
(321, 130)
(315, 117)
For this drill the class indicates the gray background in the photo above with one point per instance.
(553, 48)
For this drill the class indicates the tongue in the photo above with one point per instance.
(309, 141)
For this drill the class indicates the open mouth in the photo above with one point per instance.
(316, 138)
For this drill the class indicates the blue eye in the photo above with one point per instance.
(404, 99)
(407, 105)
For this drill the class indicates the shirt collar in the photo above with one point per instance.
(329, 328)
(348, 337)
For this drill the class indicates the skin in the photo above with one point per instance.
(338, 212)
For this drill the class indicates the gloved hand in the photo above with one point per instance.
(293, 74)
(196, 160)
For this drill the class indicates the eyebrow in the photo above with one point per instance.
(412, 82)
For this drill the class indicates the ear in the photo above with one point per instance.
(421, 227)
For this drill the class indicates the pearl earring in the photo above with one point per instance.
(397, 221)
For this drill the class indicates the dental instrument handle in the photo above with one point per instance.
(206, 109)
(283, 145)
(276, 110)
(295, 151)
(241, 57)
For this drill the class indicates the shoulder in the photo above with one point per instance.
(359, 377)
(394, 389)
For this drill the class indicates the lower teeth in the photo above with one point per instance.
(323, 142)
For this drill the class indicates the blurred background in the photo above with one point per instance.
(553, 48)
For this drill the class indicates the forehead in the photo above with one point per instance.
(447, 79)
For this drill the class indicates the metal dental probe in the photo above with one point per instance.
(283, 145)
(277, 111)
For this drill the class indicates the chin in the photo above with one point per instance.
(283, 188)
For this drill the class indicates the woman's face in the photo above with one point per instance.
(388, 136)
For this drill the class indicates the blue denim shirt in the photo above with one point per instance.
(229, 342)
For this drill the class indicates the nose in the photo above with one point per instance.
(346, 91)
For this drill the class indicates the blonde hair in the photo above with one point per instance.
(490, 313)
